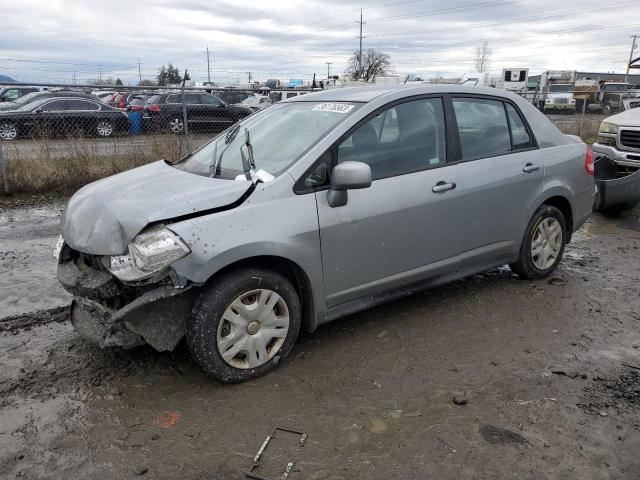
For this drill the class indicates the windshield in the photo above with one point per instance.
(22, 100)
(279, 136)
(616, 87)
(560, 88)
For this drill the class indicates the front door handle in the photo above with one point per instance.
(530, 167)
(443, 187)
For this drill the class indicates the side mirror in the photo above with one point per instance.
(38, 110)
(347, 176)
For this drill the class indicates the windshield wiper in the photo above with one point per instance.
(214, 162)
(231, 134)
(248, 163)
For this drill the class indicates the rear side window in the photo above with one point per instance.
(405, 138)
(482, 126)
(519, 134)
(155, 99)
(79, 105)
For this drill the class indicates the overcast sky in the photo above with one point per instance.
(49, 40)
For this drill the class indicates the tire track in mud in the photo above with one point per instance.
(39, 317)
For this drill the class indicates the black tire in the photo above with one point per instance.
(525, 267)
(209, 307)
(607, 110)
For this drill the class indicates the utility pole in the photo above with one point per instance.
(249, 74)
(139, 72)
(360, 51)
(100, 73)
(633, 47)
(208, 66)
(328, 69)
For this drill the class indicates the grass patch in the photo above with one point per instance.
(62, 166)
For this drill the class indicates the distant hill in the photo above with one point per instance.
(5, 79)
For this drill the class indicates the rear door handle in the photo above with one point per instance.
(443, 187)
(530, 167)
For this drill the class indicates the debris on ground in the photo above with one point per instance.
(558, 281)
(460, 399)
(501, 436)
(620, 394)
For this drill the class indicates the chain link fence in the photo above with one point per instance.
(58, 137)
(64, 137)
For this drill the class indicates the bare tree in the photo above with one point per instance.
(483, 57)
(374, 64)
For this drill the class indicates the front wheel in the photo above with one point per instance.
(243, 324)
(543, 244)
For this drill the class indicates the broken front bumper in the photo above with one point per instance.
(110, 313)
(617, 185)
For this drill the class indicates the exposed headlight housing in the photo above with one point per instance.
(606, 127)
(149, 253)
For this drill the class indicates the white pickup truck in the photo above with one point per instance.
(617, 165)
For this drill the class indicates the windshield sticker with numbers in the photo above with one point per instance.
(334, 107)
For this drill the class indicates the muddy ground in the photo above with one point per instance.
(555, 364)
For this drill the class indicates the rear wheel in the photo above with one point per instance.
(104, 128)
(243, 324)
(543, 244)
(176, 125)
(8, 131)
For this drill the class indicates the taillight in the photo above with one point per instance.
(122, 105)
(589, 166)
(154, 108)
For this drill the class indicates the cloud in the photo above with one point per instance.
(50, 40)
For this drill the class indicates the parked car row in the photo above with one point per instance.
(68, 112)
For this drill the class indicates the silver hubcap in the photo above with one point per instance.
(176, 125)
(8, 131)
(253, 329)
(105, 129)
(546, 243)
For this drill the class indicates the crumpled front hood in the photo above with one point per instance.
(103, 217)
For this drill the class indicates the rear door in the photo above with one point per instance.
(81, 115)
(407, 226)
(503, 177)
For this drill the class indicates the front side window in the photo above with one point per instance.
(405, 138)
(482, 127)
(55, 106)
(279, 136)
(519, 134)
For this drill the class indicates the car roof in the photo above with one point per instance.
(367, 94)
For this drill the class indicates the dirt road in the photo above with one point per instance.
(374, 391)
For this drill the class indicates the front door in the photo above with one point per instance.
(407, 225)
